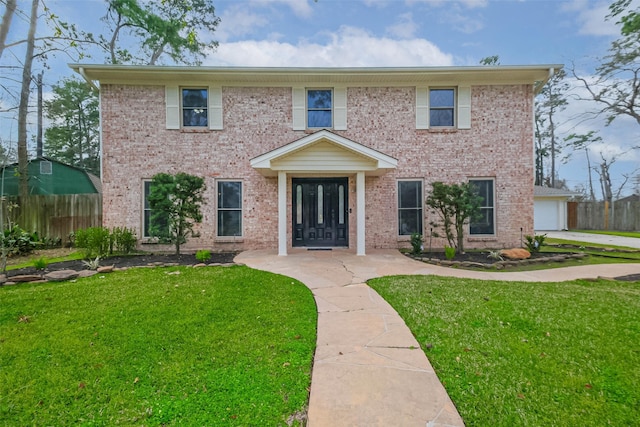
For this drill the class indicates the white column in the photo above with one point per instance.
(360, 217)
(282, 213)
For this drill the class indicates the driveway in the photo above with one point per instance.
(602, 239)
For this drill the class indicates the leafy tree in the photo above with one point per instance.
(630, 19)
(175, 206)
(73, 137)
(177, 28)
(455, 204)
(551, 100)
(490, 60)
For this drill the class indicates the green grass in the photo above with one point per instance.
(528, 354)
(211, 346)
(611, 233)
(29, 263)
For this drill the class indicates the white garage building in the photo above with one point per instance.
(550, 208)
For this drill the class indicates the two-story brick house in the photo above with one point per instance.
(320, 157)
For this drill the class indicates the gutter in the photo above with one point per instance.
(87, 79)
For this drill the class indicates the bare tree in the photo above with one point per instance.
(23, 182)
(7, 16)
(551, 100)
(582, 142)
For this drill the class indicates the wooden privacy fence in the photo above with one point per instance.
(55, 215)
(622, 216)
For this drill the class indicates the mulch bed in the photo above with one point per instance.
(131, 261)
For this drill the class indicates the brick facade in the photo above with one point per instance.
(499, 145)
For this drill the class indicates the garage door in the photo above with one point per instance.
(545, 215)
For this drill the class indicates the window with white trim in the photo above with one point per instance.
(229, 208)
(485, 223)
(319, 108)
(195, 107)
(409, 207)
(442, 107)
(159, 221)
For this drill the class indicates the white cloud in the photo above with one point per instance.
(469, 4)
(464, 23)
(348, 47)
(237, 21)
(300, 8)
(404, 28)
(591, 17)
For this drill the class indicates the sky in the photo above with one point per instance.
(394, 33)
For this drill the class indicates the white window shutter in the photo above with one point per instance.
(172, 103)
(215, 108)
(299, 108)
(422, 108)
(340, 108)
(464, 107)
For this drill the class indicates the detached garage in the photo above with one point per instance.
(550, 208)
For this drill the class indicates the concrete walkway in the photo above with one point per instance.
(603, 239)
(368, 368)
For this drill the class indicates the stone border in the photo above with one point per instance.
(64, 275)
(498, 265)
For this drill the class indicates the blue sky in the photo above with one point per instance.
(409, 33)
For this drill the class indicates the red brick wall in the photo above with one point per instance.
(499, 145)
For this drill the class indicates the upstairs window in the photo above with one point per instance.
(195, 107)
(485, 224)
(319, 108)
(441, 107)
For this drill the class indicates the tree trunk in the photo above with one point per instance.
(6, 23)
(23, 109)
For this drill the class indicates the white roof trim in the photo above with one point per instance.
(264, 162)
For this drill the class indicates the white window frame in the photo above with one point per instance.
(461, 113)
(219, 209)
(182, 107)
(338, 107)
(173, 105)
(398, 208)
(493, 207)
(309, 109)
(453, 108)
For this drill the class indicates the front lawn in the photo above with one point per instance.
(157, 347)
(528, 354)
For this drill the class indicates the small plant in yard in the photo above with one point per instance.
(416, 243)
(92, 264)
(203, 255)
(40, 263)
(495, 255)
(534, 243)
(449, 252)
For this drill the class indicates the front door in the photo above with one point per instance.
(320, 212)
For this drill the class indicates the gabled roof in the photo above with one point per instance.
(540, 191)
(323, 151)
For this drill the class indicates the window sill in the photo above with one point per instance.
(225, 239)
(486, 238)
(195, 130)
(440, 130)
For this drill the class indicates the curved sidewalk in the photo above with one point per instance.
(368, 368)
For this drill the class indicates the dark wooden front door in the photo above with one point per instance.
(320, 212)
